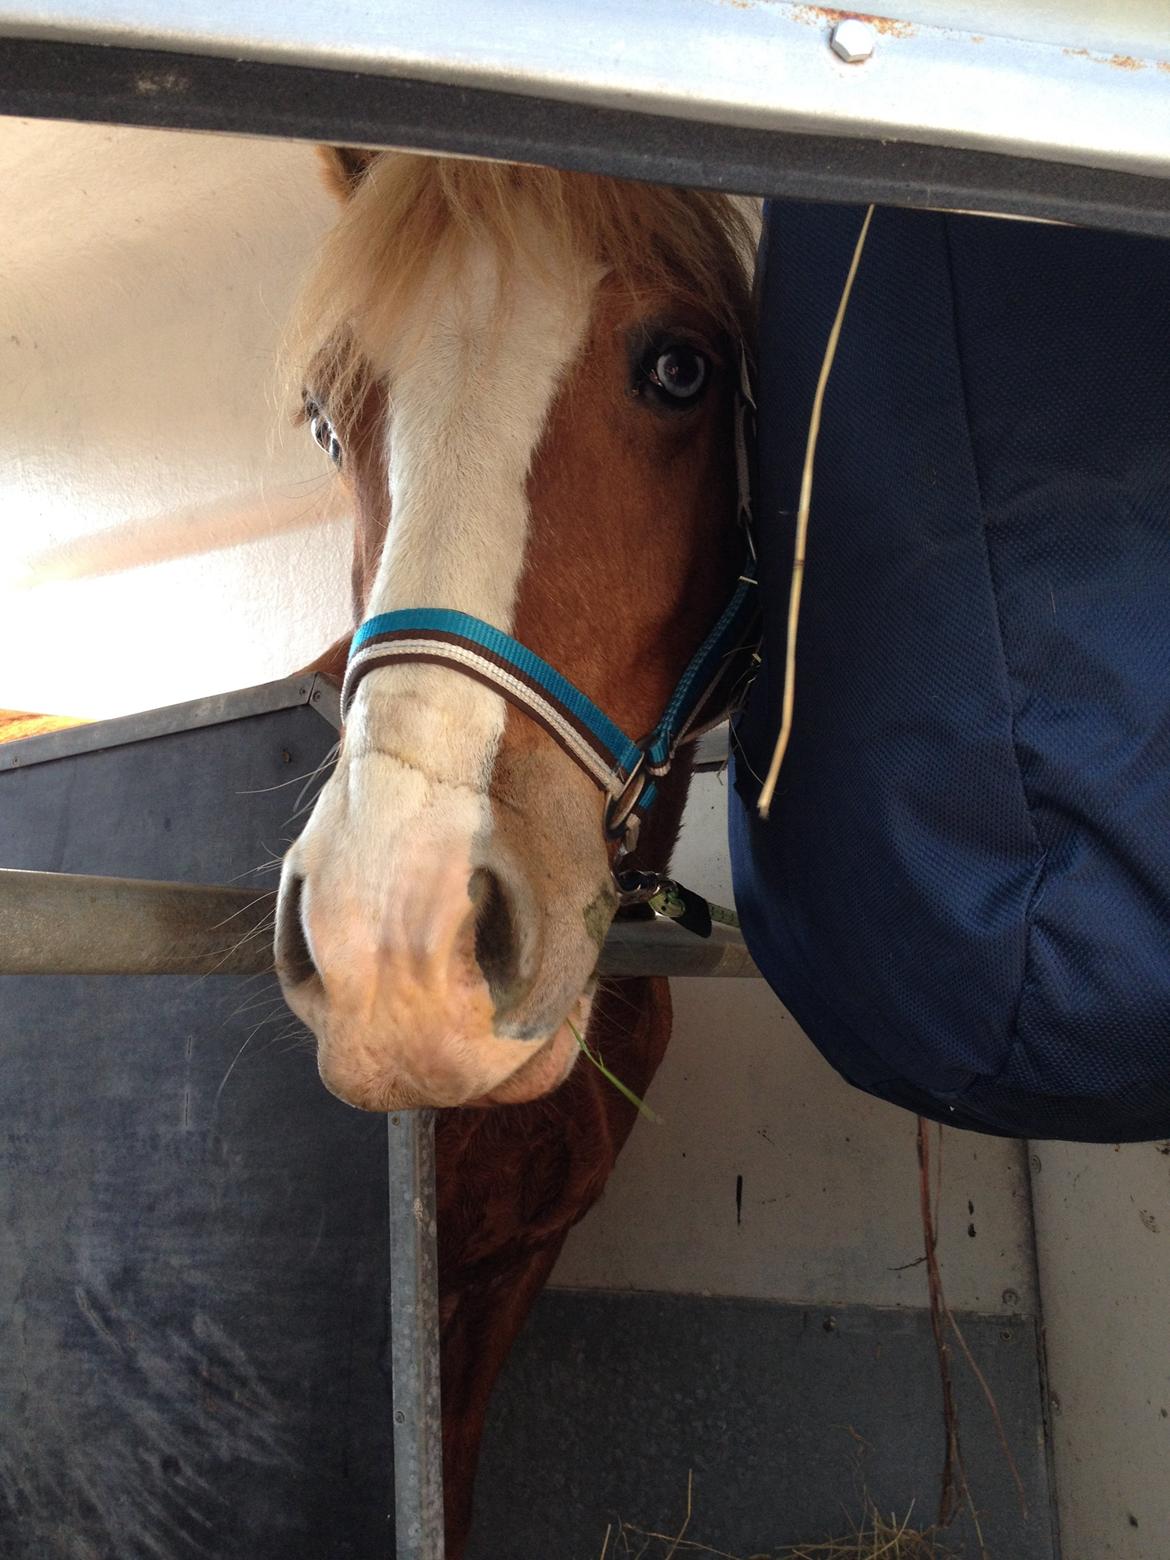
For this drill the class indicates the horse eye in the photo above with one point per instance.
(679, 373)
(322, 430)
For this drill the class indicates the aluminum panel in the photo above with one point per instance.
(763, 65)
(194, 1264)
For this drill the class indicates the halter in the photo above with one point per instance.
(626, 771)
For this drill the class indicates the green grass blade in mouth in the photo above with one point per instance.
(595, 1057)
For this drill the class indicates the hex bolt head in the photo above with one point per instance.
(852, 40)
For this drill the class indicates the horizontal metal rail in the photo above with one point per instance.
(1078, 83)
(1052, 109)
(62, 923)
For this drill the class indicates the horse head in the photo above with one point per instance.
(527, 379)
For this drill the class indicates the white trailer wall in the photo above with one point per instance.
(152, 495)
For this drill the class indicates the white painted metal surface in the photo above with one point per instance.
(152, 489)
(1103, 1249)
(1074, 82)
(828, 1209)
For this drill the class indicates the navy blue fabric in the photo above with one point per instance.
(963, 892)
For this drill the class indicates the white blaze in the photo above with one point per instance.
(468, 404)
(389, 851)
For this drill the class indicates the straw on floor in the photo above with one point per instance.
(876, 1537)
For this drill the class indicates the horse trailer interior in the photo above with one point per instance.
(216, 1294)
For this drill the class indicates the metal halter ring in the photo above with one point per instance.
(621, 822)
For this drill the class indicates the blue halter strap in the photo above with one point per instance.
(625, 770)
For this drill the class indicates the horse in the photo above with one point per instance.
(528, 380)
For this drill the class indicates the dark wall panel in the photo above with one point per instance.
(194, 1274)
(193, 1262)
(788, 1418)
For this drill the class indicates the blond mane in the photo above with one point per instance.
(410, 214)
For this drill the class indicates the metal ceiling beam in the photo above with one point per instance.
(1019, 83)
(747, 96)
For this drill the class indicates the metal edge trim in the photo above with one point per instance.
(104, 84)
(769, 66)
(214, 710)
(326, 700)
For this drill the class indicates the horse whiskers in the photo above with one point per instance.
(250, 980)
(267, 925)
(254, 1004)
(241, 980)
(264, 927)
(274, 863)
(281, 785)
(283, 1034)
(611, 986)
(260, 1019)
(301, 1042)
(302, 808)
(232, 1068)
(257, 1019)
(616, 1034)
(329, 759)
(296, 1033)
(243, 910)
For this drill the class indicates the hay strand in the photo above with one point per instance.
(593, 1055)
(875, 1537)
(768, 789)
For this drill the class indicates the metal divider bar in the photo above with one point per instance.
(414, 1337)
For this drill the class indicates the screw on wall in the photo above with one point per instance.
(852, 40)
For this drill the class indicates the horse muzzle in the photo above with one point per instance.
(421, 962)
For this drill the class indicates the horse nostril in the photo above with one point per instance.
(495, 933)
(293, 956)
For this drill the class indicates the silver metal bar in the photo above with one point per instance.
(1067, 80)
(61, 923)
(414, 1337)
(661, 948)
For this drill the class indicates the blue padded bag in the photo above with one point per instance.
(963, 892)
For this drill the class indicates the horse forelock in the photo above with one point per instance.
(412, 219)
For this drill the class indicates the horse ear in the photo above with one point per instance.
(344, 168)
